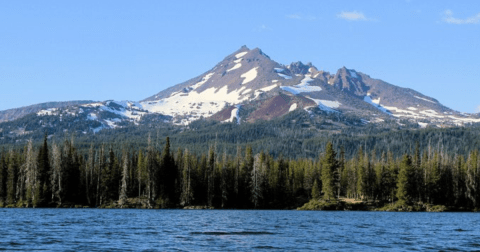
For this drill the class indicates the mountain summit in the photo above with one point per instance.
(250, 76)
(247, 86)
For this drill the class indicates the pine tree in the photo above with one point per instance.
(12, 178)
(187, 193)
(329, 168)
(89, 175)
(223, 180)
(315, 191)
(237, 175)
(360, 172)
(101, 163)
(141, 172)
(3, 178)
(30, 172)
(405, 184)
(169, 172)
(123, 190)
(282, 194)
(211, 176)
(57, 175)
(42, 189)
(257, 180)
(472, 179)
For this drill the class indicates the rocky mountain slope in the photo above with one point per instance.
(248, 86)
(12, 114)
(248, 76)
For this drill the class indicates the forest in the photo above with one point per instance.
(53, 174)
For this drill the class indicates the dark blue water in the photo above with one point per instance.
(206, 230)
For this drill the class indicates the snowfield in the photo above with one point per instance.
(421, 98)
(353, 74)
(286, 77)
(376, 104)
(326, 105)
(234, 114)
(303, 87)
(196, 105)
(249, 76)
(203, 81)
(239, 55)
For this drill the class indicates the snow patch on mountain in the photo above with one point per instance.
(431, 113)
(286, 77)
(303, 87)
(331, 104)
(92, 117)
(421, 98)
(249, 76)
(234, 114)
(237, 66)
(52, 111)
(239, 55)
(376, 104)
(196, 105)
(353, 74)
(266, 89)
(203, 81)
(122, 111)
(292, 107)
(422, 125)
(324, 106)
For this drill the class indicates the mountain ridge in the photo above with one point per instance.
(247, 85)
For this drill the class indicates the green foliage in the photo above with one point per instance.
(406, 181)
(329, 167)
(315, 191)
(60, 175)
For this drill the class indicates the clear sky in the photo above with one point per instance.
(130, 50)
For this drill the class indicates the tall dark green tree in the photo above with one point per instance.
(406, 181)
(169, 173)
(330, 166)
(13, 170)
(43, 189)
(3, 177)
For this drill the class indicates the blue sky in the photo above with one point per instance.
(129, 50)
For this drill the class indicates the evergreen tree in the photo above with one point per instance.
(329, 168)
(169, 172)
(257, 180)
(141, 172)
(472, 179)
(360, 172)
(211, 176)
(123, 190)
(3, 177)
(30, 171)
(315, 191)
(12, 178)
(187, 193)
(223, 180)
(405, 184)
(42, 189)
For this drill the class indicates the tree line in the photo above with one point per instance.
(52, 175)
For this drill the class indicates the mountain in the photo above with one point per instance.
(245, 87)
(250, 86)
(12, 114)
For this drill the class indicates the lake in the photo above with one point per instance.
(226, 230)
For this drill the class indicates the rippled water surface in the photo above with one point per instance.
(217, 230)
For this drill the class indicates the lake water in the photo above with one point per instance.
(217, 230)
